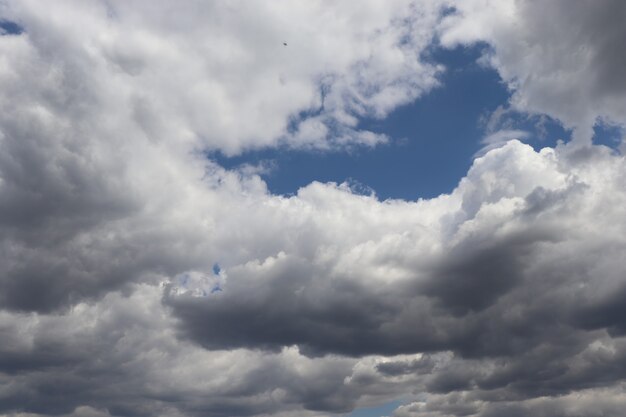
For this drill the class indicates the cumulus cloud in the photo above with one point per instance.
(137, 277)
(102, 104)
(442, 274)
(222, 73)
(563, 59)
(509, 285)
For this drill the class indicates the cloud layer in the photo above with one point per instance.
(139, 278)
(563, 59)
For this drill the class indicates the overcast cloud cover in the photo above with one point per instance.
(140, 278)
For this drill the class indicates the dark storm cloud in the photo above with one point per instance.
(121, 355)
(293, 303)
(609, 311)
(276, 313)
(473, 279)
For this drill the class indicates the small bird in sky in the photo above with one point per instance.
(284, 43)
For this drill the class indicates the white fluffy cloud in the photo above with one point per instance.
(221, 71)
(137, 277)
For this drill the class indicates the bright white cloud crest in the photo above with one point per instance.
(137, 277)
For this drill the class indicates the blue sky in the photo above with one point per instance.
(379, 411)
(433, 140)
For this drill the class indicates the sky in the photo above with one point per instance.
(405, 208)
(417, 162)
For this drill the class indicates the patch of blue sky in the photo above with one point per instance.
(544, 131)
(378, 411)
(216, 271)
(609, 134)
(433, 140)
(9, 28)
(200, 284)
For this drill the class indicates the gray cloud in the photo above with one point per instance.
(502, 297)
(594, 402)
(529, 217)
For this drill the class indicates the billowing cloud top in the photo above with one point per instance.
(140, 278)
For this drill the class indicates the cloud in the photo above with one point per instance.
(499, 138)
(137, 277)
(108, 110)
(593, 402)
(221, 72)
(514, 274)
(121, 357)
(563, 59)
(447, 263)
